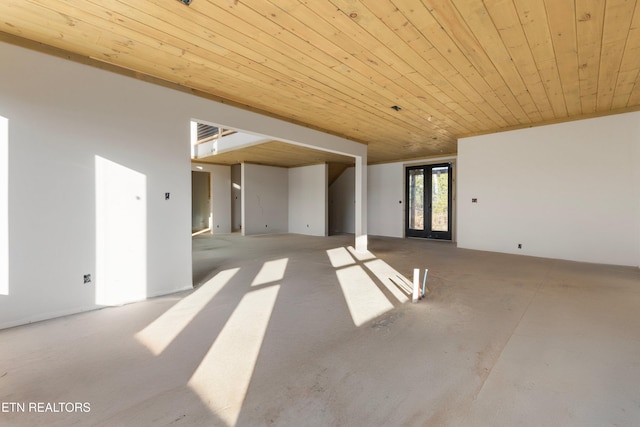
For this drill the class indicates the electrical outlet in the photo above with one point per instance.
(519, 245)
(87, 278)
(167, 196)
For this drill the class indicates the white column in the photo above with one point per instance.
(243, 181)
(361, 203)
(4, 206)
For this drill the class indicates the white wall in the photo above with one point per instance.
(342, 203)
(636, 179)
(308, 200)
(63, 117)
(566, 191)
(66, 119)
(265, 199)
(4, 206)
(386, 200)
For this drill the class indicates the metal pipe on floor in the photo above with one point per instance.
(424, 283)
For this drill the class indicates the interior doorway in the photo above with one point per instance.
(429, 194)
(200, 202)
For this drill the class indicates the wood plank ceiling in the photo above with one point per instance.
(455, 68)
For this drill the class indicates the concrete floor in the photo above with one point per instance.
(292, 330)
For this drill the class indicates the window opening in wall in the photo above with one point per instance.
(429, 195)
(205, 138)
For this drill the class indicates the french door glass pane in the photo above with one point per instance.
(440, 198)
(416, 199)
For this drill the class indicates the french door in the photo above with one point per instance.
(429, 201)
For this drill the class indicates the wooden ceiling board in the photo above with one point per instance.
(392, 38)
(405, 25)
(507, 22)
(383, 113)
(590, 17)
(455, 68)
(533, 17)
(489, 44)
(321, 33)
(617, 22)
(628, 72)
(335, 34)
(561, 16)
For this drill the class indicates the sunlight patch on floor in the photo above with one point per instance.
(159, 334)
(222, 378)
(396, 283)
(364, 299)
(271, 271)
(339, 257)
(360, 255)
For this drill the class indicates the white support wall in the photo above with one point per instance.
(308, 200)
(386, 200)
(361, 203)
(568, 191)
(265, 199)
(636, 178)
(4, 206)
(220, 198)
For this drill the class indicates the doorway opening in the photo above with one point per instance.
(200, 202)
(429, 194)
